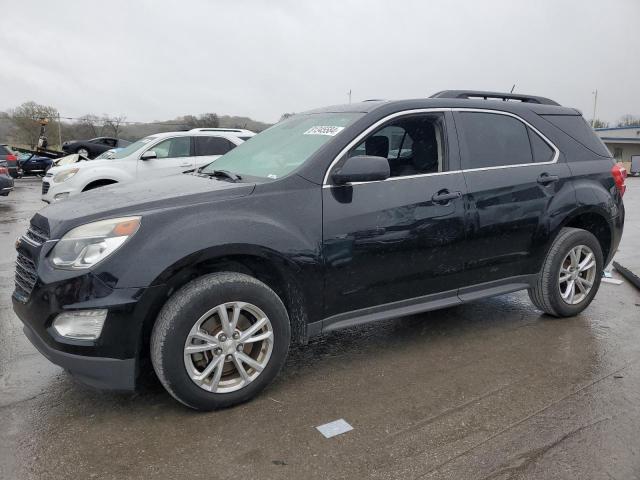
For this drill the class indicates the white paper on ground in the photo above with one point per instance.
(615, 281)
(332, 429)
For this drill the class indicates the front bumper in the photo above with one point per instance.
(109, 362)
(50, 190)
(99, 372)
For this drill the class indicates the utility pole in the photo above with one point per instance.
(595, 106)
(349, 94)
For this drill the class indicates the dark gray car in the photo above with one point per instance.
(6, 182)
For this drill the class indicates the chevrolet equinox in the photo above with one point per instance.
(330, 219)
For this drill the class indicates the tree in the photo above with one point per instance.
(114, 124)
(205, 120)
(26, 122)
(597, 123)
(629, 121)
(88, 126)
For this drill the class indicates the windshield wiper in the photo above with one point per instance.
(234, 177)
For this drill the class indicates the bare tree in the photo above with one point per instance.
(26, 121)
(89, 126)
(114, 124)
(629, 121)
(206, 120)
(598, 123)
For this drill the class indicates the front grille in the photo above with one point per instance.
(26, 275)
(45, 187)
(37, 234)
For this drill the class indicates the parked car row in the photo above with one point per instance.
(330, 219)
(154, 156)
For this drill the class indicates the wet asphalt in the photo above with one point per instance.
(489, 390)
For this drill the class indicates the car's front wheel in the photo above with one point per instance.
(220, 340)
(571, 274)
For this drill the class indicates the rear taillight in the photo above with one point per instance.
(619, 174)
(11, 158)
(4, 171)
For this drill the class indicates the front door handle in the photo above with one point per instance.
(445, 196)
(546, 179)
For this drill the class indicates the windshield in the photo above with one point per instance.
(282, 148)
(129, 149)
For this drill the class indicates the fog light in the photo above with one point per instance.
(80, 324)
(61, 196)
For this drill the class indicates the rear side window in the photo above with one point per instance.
(493, 140)
(212, 146)
(542, 152)
(576, 127)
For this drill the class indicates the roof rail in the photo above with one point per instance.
(230, 130)
(479, 94)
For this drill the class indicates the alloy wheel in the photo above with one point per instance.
(577, 274)
(228, 347)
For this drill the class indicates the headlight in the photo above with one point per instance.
(64, 176)
(85, 246)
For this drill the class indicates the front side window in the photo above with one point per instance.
(493, 140)
(413, 145)
(212, 146)
(173, 147)
(281, 149)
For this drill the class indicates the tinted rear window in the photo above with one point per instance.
(493, 140)
(212, 146)
(576, 127)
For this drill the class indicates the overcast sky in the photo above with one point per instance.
(155, 60)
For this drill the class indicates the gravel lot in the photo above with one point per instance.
(485, 390)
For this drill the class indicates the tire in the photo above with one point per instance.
(84, 152)
(183, 315)
(547, 293)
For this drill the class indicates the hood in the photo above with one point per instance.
(133, 198)
(74, 163)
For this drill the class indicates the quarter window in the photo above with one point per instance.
(542, 152)
(413, 145)
(493, 140)
(174, 147)
(212, 146)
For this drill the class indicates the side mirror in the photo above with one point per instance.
(362, 168)
(148, 155)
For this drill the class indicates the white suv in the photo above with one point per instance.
(154, 156)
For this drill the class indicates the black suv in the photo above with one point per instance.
(329, 219)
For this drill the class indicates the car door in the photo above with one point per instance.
(172, 156)
(208, 148)
(396, 239)
(512, 174)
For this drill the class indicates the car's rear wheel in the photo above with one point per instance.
(220, 340)
(571, 274)
(83, 152)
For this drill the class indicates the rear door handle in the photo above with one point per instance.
(445, 196)
(545, 178)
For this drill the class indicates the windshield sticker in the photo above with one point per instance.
(324, 130)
